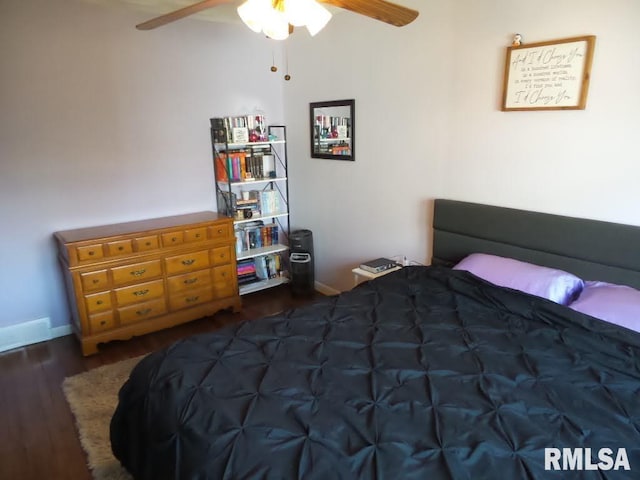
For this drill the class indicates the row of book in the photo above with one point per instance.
(239, 129)
(260, 203)
(242, 165)
(259, 268)
(256, 235)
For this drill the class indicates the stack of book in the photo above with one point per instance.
(379, 265)
(246, 271)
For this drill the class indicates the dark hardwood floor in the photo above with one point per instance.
(38, 439)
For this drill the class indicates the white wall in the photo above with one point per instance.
(429, 125)
(581, 163)
(400, 80)
(101, 123)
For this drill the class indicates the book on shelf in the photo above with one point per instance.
(248, 164)
(231, 166)
(379, 265)
(263, 267)
(246, 270)
(269, 201)
(256, 234)
(268, 266)
(239, 129)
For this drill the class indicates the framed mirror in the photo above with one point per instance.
(333, 127)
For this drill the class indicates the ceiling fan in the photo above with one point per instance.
(276, 18)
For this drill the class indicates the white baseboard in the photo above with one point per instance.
(27, 333)
(325, 289)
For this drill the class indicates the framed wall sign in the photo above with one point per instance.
(551, 75)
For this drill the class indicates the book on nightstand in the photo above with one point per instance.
(379, 265)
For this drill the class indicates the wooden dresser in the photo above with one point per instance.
(134, 278)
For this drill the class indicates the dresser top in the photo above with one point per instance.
(104, 231)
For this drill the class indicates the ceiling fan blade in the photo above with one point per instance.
(181, 13)
(379, 9)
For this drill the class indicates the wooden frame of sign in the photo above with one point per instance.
(552, 75)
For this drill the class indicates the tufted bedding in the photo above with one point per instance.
(425, 373)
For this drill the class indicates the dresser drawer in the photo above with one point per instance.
(220, 231)
(90, 252)
(224, 283)
(170, 239)
(136, 272)
(92, 281)
(146, 243)
(99, 322)
(189, 281)
(139, 292)
(189, 299)
(119, 247)
(187, 262)
(195, 234)
(221, 255)
(98, 302)
(142, 311)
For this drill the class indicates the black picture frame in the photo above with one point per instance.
(332, 129)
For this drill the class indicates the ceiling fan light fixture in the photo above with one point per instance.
(275, 24)
(252, 13)
(273, 17)
(317, 19)
(299, 11)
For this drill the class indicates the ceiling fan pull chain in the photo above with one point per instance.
(287, 77)
(273, 61)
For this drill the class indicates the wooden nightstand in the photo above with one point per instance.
(362, 275)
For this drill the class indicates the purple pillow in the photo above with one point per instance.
(617, 304)
(555, 285)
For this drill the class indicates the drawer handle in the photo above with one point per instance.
(91, 253)
(189, 261)
(197, 235)
(96, 281)
(137, 273)
(103, 323)
(99, 302)
(140, 293)
(148, 244)
(144, 311)
(190, 281)
(220, 231)
(120, 248)
(192, 299)
(224, 274)
(174, 239)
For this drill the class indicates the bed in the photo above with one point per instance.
(430, 372)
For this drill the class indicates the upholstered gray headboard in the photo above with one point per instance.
(591, 249)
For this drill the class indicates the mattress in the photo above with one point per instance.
(425, 373)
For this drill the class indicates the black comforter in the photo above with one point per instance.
(425, 373)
